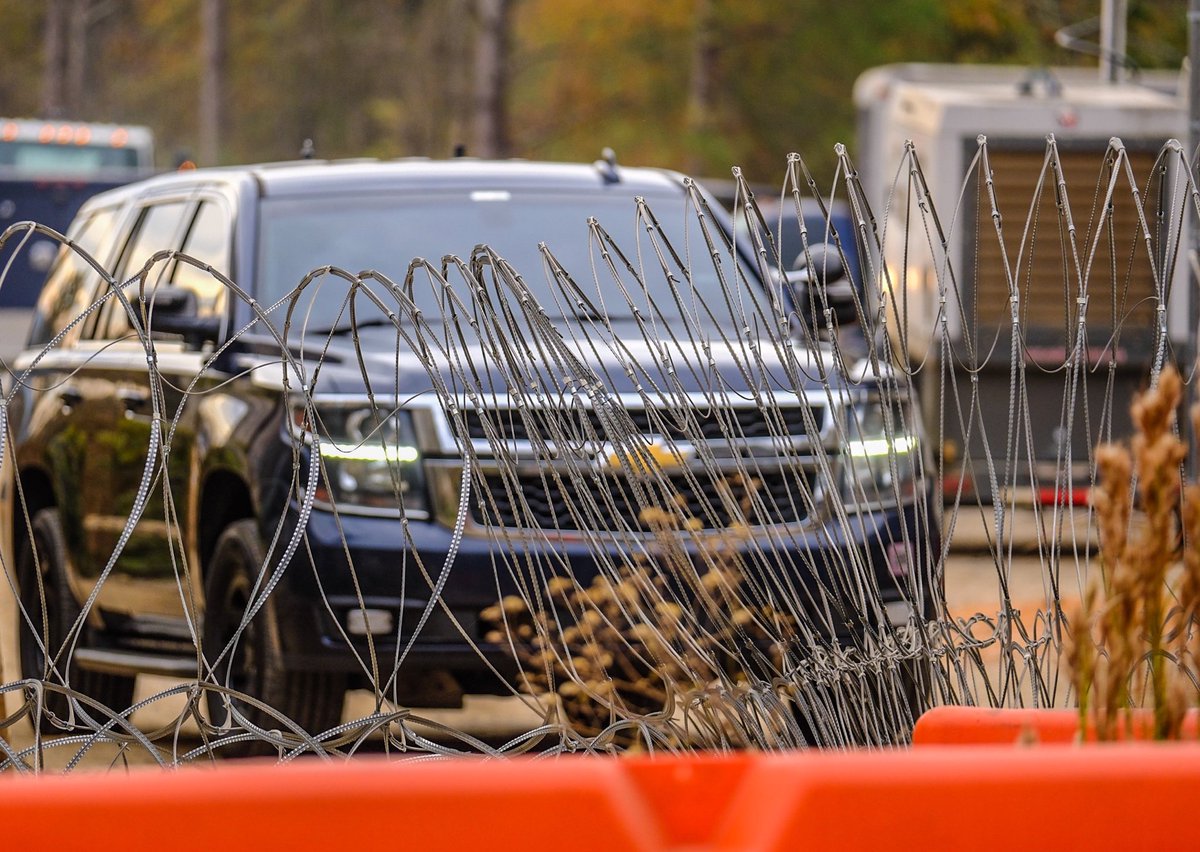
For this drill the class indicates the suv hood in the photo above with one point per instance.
(387, 364)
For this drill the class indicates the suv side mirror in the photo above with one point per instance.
(173, 311)
(822, 282)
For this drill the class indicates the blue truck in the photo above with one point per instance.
(48, 169)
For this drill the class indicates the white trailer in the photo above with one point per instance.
(952, 310)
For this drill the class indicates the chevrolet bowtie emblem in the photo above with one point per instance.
(646, 458)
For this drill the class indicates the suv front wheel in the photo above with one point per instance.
(254, 667)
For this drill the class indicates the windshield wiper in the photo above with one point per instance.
(338, 330)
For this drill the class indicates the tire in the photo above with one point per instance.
(310, 699)
(52, 611)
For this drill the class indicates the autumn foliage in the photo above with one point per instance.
(1134, 641)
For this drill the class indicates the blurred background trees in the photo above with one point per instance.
(693, 84)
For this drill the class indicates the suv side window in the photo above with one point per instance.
(158, 228)
(69, 286)
(208, 242)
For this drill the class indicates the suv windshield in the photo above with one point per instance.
(384, 233)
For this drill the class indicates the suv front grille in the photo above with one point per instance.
(708, 424)
(611, 501)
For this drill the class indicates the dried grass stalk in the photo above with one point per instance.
(622, 649)
(1130, 642)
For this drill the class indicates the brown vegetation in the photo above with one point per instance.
(624, 650)
(1133, 641)
(684, 84)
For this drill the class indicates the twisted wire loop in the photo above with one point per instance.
(674, 485)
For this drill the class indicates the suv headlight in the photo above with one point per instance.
(879, 455)
(369, 457)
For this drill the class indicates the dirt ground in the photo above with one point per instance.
(973, 586)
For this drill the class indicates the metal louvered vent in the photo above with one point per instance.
(1120, 281)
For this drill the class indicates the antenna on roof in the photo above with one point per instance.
(308, 150)
(607, 166)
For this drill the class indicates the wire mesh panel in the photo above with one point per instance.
(642, 480)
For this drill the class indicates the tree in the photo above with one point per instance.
(701, 106)
(693, 84)
(53, 58)
(212, 80)
(75, 66)
(491, 79)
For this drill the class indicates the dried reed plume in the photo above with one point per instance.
(1133, 632)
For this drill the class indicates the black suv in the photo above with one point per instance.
(229, 424)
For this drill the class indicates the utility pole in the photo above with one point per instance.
(1113, 14)
(1193, 248)
(1194, 97)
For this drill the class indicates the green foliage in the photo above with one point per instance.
(20, 39)
(384, 78)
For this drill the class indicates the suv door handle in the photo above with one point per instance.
(133, 400)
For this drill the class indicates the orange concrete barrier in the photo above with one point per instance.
(1127, 796)
(985, 725)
